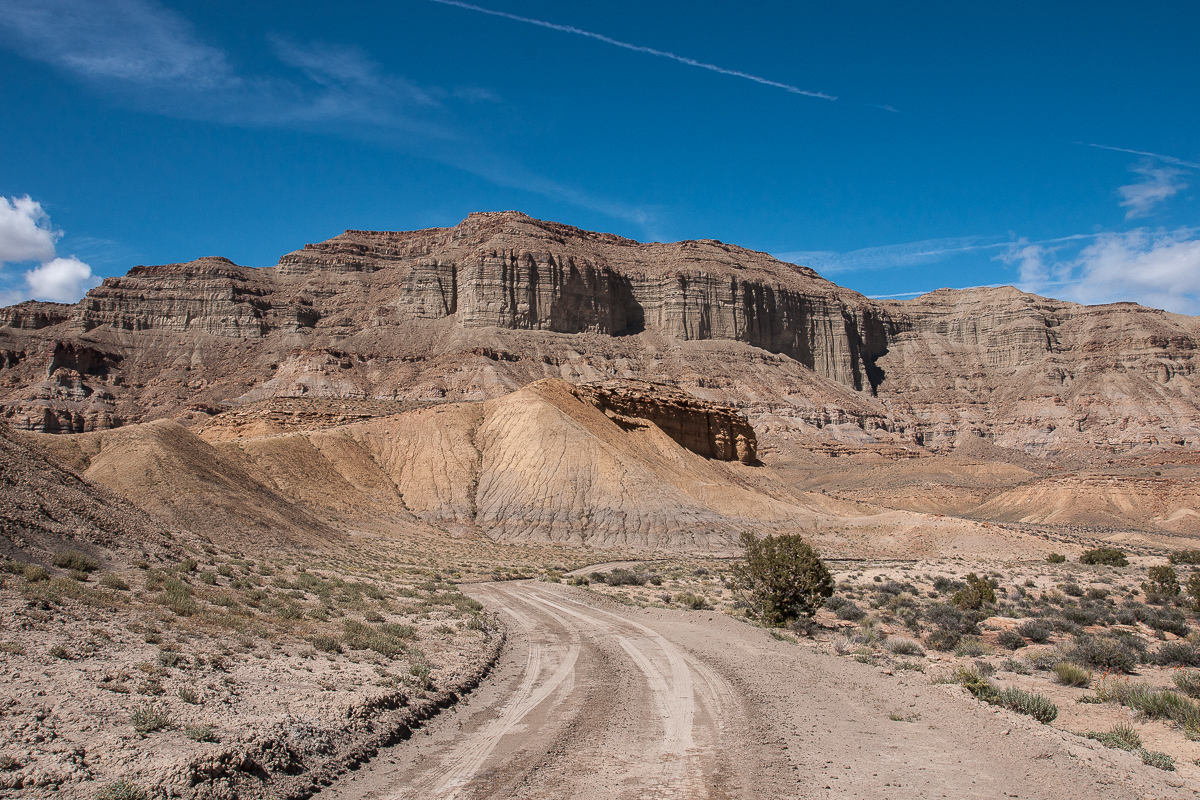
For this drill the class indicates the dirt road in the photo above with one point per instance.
(596, 700)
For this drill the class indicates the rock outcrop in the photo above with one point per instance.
(706, 429)
(477, 310)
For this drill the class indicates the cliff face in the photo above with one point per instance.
(500, 300)
(712, 431)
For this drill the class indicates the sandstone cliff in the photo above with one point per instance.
(477, 310)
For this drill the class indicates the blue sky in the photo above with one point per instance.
(895, 148)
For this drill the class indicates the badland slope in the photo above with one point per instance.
(1035, 396)
(615, 465)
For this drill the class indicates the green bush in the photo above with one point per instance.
(121, 790)
(696, 602)
(1107, 556)
(943, 640)
(1104, 652)
(1193, 590)
(977, 593)
(1069, 674)
(783, 576)
(1010, 639)
(1158, 760)
(1120, 737)
(1162, 584)
(1056, 558)
(73, 559)
(1184, 557)
(969, 648)
(1188, 682)
(1019, 700)
(1036, 630)
(900, 646)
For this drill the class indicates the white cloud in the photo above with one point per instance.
(63, 280)
(1157, 268)
(25, 232)
(1157, 184)
(26, 235)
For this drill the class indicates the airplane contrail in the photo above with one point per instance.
(691, 62)
(1168, 159)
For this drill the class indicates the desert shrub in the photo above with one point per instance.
(835, 602)
(33, 573)
(1103, 652)
(1056, 558)
(73, 559)
(1010, 639)
(1069, 674)
(1153, 703)
(177, 596)
(420, 671)
(1193, 590)
(578, 580)
(121, 790)
(1036, 630)
(951, 618)
(1178, 654)
(8, 763)
(148, 717)
(900, 646)
(169, 658)
(850, 611)
(359, 636)
(1157, 760)
(696, 602)
(625, 577)
(1119, 737)
(943, 584)
(398, 630)
(1188, 682)
(1184, 557)
(208, 578)
(326, 644)
(1072, 589)
(977, 593)
(943, 639)
(969, 647)
(1162, 584)
(59, 651)
(783, 576)
(1107, 556)
(1030, 703)
(200, 733)
(188, 695)
(110, 581)
(1035, 705)
(1162, 618)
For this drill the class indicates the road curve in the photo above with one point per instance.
(595, 700)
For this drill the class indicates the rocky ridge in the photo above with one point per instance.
(477, 310)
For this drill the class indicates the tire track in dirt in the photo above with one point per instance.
(592, 700)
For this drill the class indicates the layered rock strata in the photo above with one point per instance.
(500, 300)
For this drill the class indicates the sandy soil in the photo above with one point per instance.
(593, 699)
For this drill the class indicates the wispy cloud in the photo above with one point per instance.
(151, 58)
(637, 48)
(1157, 268)
(1179, 162)
(891, 256)
(1157, 185)
(26, 235)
